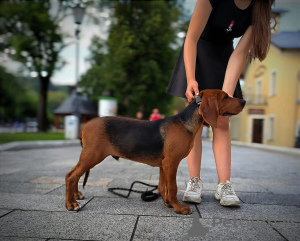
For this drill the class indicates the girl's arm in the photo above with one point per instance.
(236, 62)
(198, 21)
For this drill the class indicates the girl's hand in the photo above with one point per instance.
(192, 88)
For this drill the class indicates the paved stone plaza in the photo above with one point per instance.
(32, 196)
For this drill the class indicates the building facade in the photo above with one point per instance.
(272, 91)
(272, 87)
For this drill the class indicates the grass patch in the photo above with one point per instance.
(10, 137)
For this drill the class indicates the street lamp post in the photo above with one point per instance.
(78, 12)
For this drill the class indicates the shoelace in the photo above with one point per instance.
(227, 189)
(195, 184)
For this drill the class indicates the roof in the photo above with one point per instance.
(68, 106)
(286, 40)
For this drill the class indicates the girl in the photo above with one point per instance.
(208, 61)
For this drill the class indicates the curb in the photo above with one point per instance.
(21, 145)
(280, 149)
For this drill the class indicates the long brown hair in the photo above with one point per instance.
(261, 37)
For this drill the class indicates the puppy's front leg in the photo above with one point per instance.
(169, 172)
(161, 185)
(162, 190)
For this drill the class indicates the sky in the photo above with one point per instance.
(66, 76)
(88, 29)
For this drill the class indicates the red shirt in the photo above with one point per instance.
(154, 117)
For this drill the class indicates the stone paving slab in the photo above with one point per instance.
(289, 230)
(134, 206)
(27, 188)
(61, 181)
(263, 180)
(269, 199)
(21, 145)
(173, 228)
(126, 183)
(62, 239)
(21, 176)
(4, 211)
(39, 157)
(28, 175)
(34, 202)
(102, 191)
(69, 225)
(123, 174)
(88, 192)
(92, 191)
(250, 212)
(284, 189)
(279, 186)
(9, 169)
(20, 239)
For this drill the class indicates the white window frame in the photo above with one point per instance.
(249, 93)
(271, 127)
(258, 93)
(273, 83)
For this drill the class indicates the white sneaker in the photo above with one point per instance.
(225, 193)
(193, 191)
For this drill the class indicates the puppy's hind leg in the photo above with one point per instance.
(86, 162)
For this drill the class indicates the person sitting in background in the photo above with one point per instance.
(155, 115)
(139, 115)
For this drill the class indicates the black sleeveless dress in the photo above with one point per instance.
(214, 48)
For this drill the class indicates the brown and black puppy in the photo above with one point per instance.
(162, 143)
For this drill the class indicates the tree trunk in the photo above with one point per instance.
(42, 105)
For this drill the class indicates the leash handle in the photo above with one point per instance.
(149, 196)
(146, 196)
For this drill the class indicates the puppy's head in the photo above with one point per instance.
(218, 102)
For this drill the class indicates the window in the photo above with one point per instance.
(248, 94)
(258, 98)
(271, 127)
(273, 80)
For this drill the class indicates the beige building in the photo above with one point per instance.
(272, 87)
(272, 91)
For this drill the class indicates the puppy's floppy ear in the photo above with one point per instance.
(209, 110)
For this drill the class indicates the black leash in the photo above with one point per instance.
(146, 196)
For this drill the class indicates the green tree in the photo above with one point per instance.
(33, 37)
(16, 102)
(137, 60)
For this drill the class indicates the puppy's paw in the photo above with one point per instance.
(78, 196)
(73, 206)
(183, 210)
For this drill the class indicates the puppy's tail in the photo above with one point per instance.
(86, 178)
